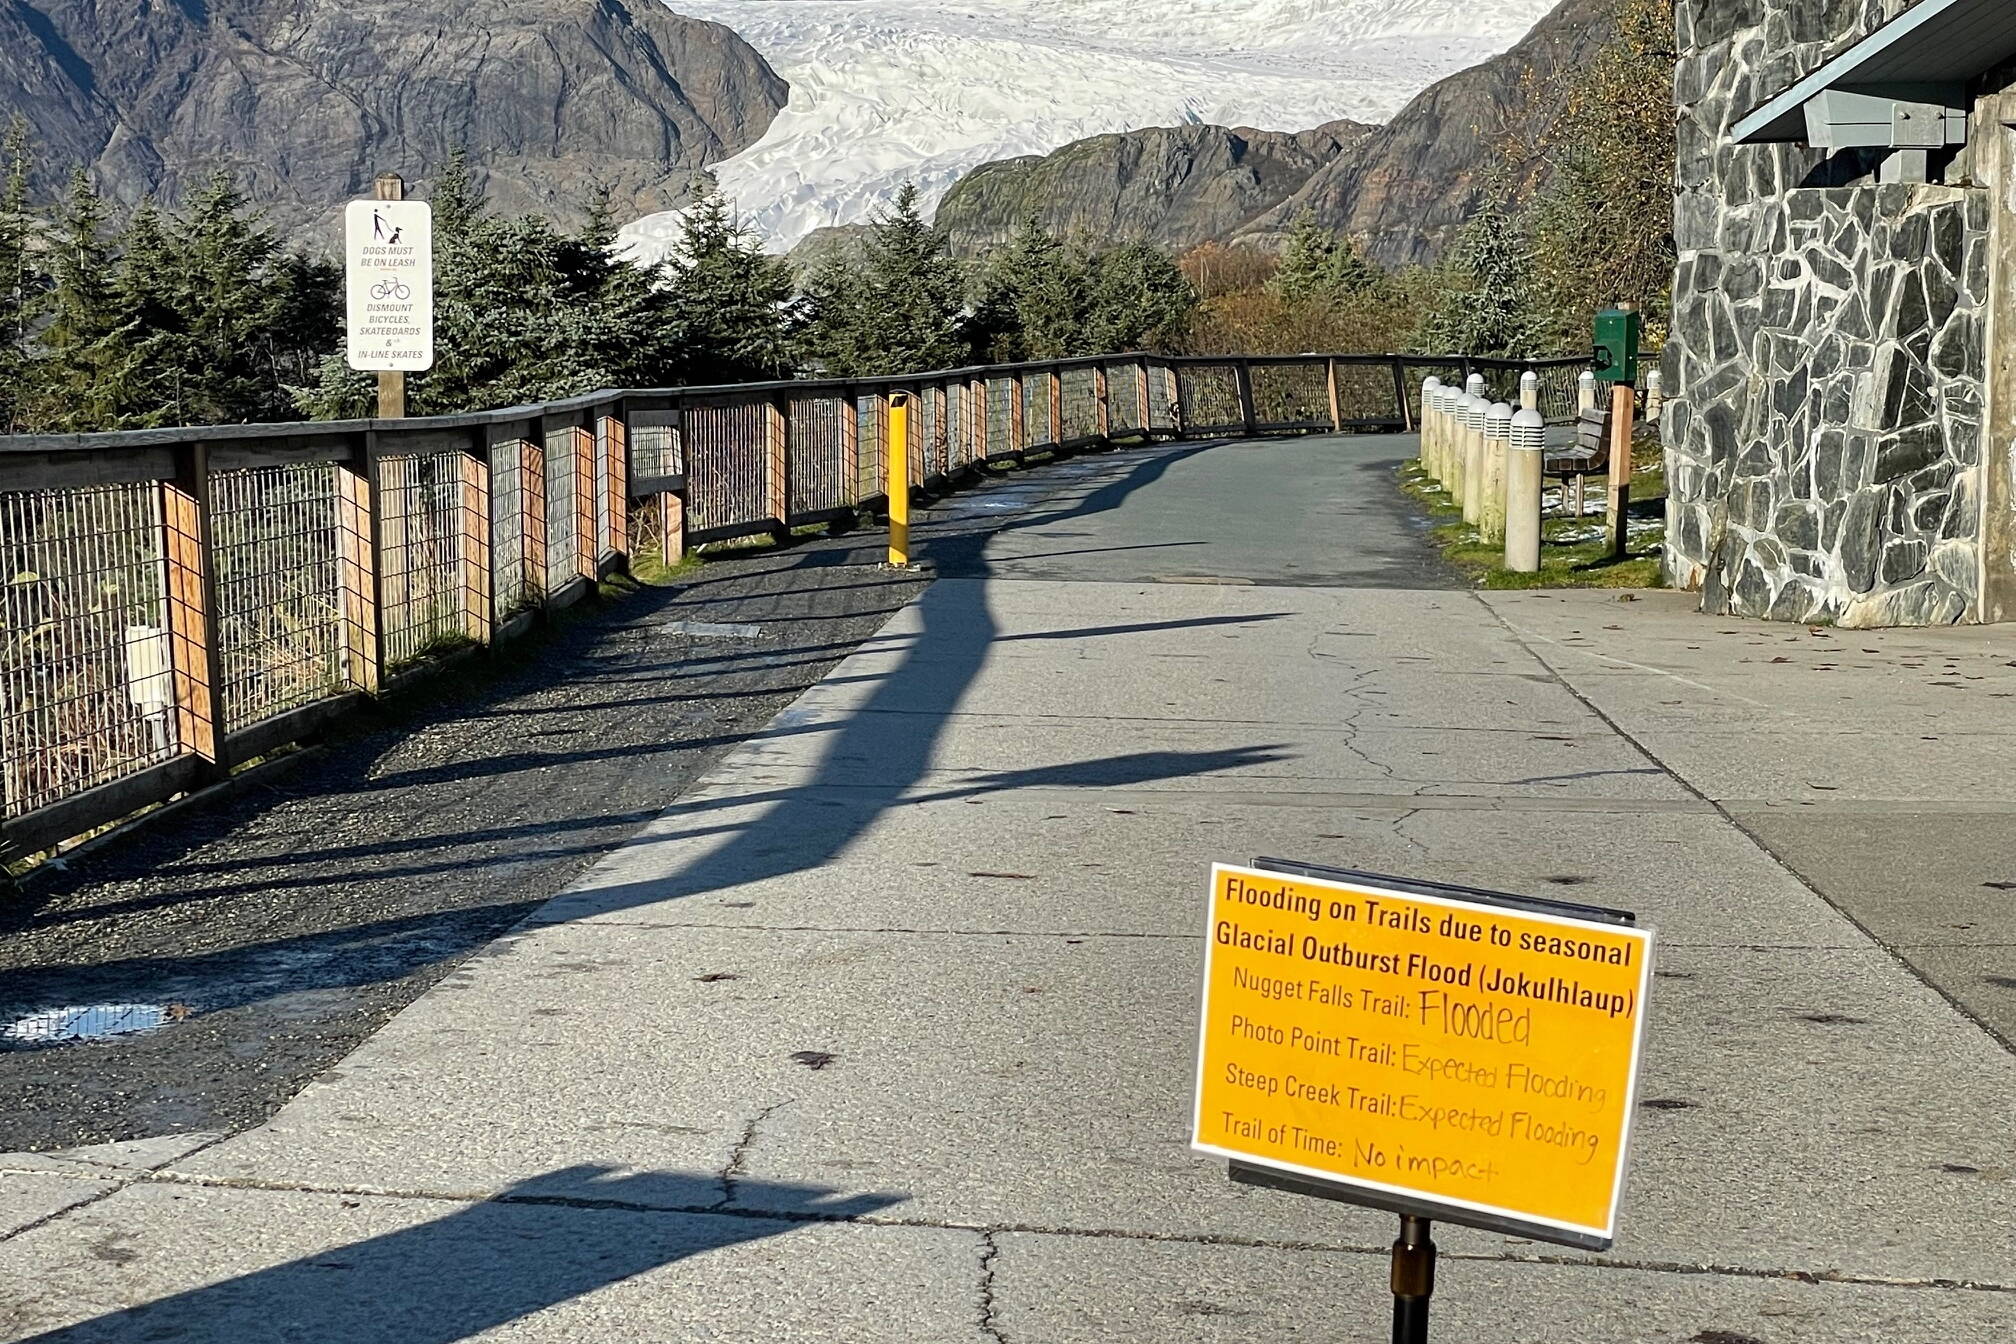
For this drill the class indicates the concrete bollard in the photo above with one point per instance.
(1475, 408)
(1529, 391)
(1524, 461)
(1497, 439)
(1585, 391)
(1655, 395)
(1444, 404)
(1429, 387)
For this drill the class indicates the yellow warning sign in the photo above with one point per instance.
(1478, 1057)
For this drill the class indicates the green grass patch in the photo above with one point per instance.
(1572, 550)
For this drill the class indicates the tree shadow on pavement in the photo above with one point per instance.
(543, 1242)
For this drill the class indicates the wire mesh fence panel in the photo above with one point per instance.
(1165, 406)
(1001, 408)
(818, 447)
(1036, 425)
(517, 524)
(279, 597)
(563, 514)
(420, 554)
(727, 464)
(1292, 395)
(871, 418)
(1211, 399)
(1081, 405)
(86, 689)
(1123, 399)
(929, 418)
(655, 449)
(1366, 393)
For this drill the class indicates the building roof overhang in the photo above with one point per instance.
(1936, 44)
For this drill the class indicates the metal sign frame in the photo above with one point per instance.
(1301, 1181)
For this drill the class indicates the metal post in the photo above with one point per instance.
(391, 384)
(899, 478)
(1413, 1281)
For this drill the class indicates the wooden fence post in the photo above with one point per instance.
(1400, 391)
(193, 641)
(1056, 404)
(357, 567)
(1336, 401)
(777, 465)
(1147, 402)
(850, 446)
(1103, 413)
(473, 540)
(1249, 419)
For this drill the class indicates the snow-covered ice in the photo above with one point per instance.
(884, 91)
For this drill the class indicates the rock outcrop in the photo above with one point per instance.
(1405, 191)
(306, 100)
(1178, 186)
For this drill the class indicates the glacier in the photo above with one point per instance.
(888, 91)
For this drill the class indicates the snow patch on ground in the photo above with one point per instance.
(884, 91)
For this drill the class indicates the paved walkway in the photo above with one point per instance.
(883, 1030)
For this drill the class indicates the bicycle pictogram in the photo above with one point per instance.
(392, 289)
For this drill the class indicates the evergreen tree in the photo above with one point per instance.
(729, 304)
(19, 282)
(1486, 305)
(1033, 298)
(220, 368)
(912, 313)
(84, 362)
(1139, 300)
(1319, 265)
(832, 338)
(143, 283)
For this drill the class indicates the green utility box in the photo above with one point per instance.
(1617, 333)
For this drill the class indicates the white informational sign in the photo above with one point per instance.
(389, 251)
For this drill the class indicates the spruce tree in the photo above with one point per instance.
(1033, 297)
(1320, 265)
(221, 365)
(19, 282)
(84, 365)
(1139, 300)
(913, 313)
(1487, 304)
(832, 339)
(729, 304)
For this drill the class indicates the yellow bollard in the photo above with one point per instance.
(899, 478)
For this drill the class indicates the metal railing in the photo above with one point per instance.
(180, 602)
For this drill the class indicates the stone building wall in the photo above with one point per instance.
(1826, 362)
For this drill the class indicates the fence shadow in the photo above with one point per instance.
(544, 1242)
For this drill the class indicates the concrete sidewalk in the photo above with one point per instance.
(885, 1030)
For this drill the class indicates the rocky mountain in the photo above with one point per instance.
(306, 100)
(1403, 189)
(1178, 186)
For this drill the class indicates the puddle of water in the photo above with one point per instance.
(92, 1022)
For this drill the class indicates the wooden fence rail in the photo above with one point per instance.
(179, 602)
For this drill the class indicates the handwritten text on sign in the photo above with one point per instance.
(389, 284)
(1477, 1056)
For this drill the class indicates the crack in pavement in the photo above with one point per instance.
(992, 1231)
(739, 1154)
(990, 1323)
